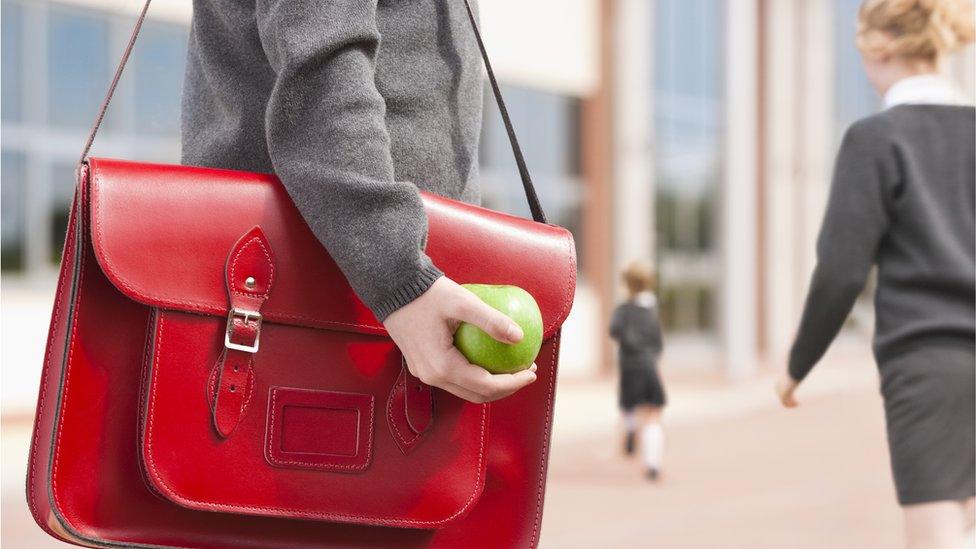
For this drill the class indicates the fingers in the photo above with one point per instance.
(493, 322)
(489, 386)
(786, 391)
(462, 393)
(456, 376)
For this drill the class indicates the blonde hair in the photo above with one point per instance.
(638, 277)
(924, 30)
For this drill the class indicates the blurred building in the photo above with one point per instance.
(695, 133)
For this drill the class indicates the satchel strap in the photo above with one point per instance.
(534, 205)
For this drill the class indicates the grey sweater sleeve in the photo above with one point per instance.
(855, 223)
(617, 323)
(328, 142)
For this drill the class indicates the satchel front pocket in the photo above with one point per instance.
(314, 440)
(323, 430)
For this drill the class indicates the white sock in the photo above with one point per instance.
(652, 445)
(630, 421)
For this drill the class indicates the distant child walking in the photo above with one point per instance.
(637, 329)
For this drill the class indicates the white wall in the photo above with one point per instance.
(544, 44)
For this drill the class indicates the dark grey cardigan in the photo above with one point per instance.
(354, 105)
(902, 199)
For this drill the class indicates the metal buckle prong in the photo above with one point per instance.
(247, 316)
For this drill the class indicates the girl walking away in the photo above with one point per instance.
(636, 328)
(903, 199)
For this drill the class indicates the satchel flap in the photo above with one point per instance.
(161, 234)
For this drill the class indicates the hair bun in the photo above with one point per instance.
(926, 29)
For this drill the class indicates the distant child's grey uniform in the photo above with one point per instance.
(636, 328)
(903, 199)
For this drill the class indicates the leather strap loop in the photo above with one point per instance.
(249, 275)
(409, 410)
(530, 195)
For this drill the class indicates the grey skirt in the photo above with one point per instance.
(641, 386)
(930, 410)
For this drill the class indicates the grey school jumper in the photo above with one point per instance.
(903, 199)
(354, 106)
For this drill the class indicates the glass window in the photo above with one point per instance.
(548, 131)
(78, 67)
(688, 137)
(12, 210)
(157, 66)
(854, 97)
(11, 64)
(62, 192)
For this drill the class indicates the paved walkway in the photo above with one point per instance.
(813, 477)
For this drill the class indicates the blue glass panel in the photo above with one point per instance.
(158, 70)
(11, 64)
(688, 124)
(854, 97)
(78, 66)
(62, 191)
(12, 210)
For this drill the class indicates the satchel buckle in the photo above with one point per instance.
(247, 316)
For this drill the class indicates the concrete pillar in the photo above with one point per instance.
(633, 220)
(782, 277)
(799, 125)
(738, 295)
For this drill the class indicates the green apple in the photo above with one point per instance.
(497, 357)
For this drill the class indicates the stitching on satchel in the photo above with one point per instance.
(479, 480)
(355, 467)
(545, 444)
(69, 237)
(212, 386)
(570, 283)
(389, 414)
(233, 268)
(67, 379)
(204, 308)
(143, 390)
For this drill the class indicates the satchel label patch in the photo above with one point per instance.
(320, 430)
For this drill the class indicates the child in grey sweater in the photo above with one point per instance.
(636, 328)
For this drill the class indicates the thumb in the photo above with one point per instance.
(490, 320)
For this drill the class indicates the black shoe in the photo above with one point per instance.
(652, 474)
(631, 443)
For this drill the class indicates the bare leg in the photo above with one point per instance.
(936, 525)
(969, 537)
(969, 507)
(630, 431)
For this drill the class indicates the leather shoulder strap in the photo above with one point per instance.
(534, 205)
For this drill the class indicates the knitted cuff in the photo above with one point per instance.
(412, 287)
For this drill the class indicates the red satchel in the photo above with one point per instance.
(211, 380)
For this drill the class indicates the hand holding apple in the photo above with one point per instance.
(495, 356)
(423, 330)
